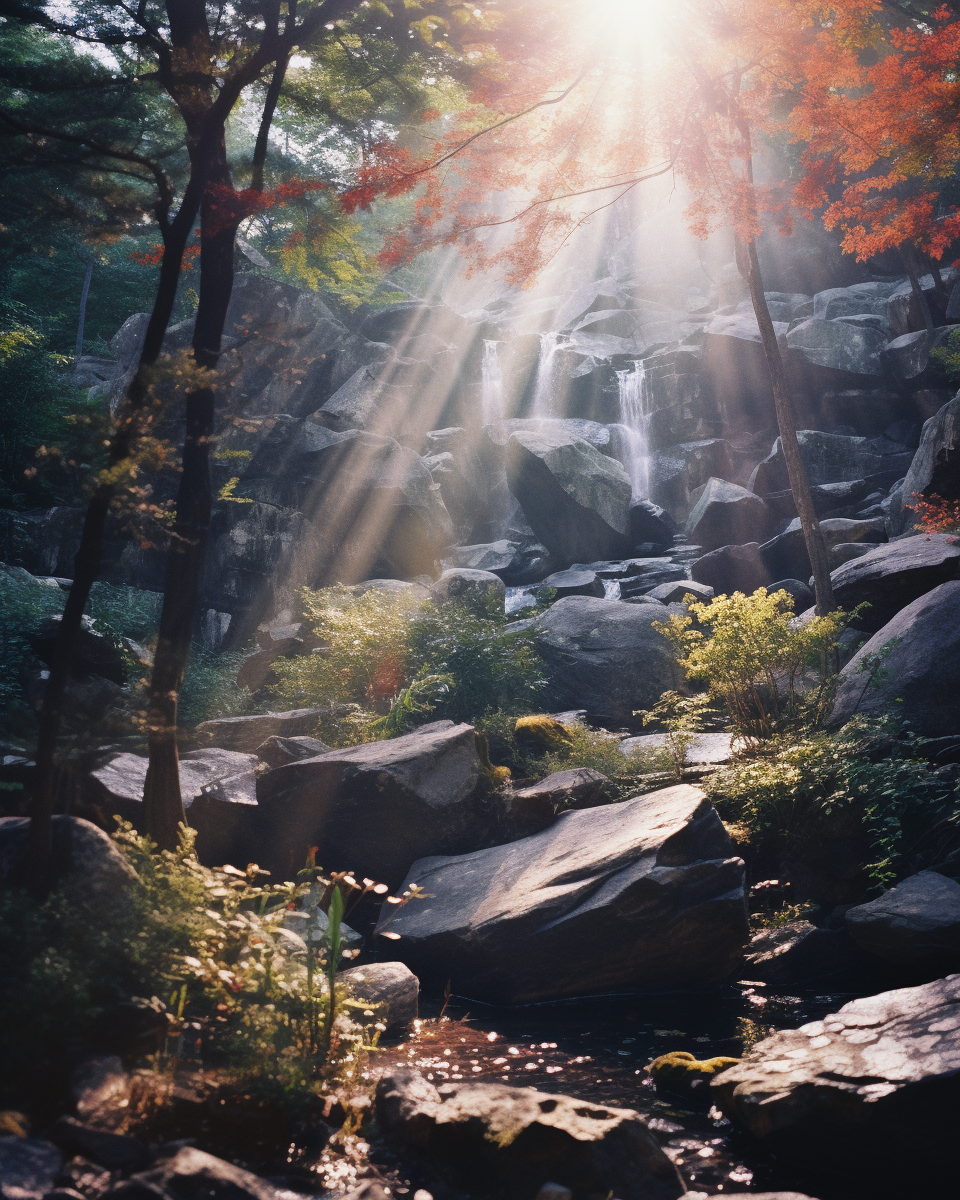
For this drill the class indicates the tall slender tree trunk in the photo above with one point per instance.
(749, 267)
(162, 799)
(82, 320)
(87, 561)
(909, 260)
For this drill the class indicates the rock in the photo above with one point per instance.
(218, 788)
(605, 656)
(365, 401)
(786, 557)
(732, 569)
(801, 594)
(574, 583)
(873, 1087)
(916, 923)
(649, 523)
(190, 1174)
(838, 345)
(516, 563)
(84, 858)
(474, 587)
(530, 809)
(542, 733)
(278, 751)
(674, 593)
(28, 1168)
(828, 458)
(640, 896)
(96, 654)
(460, 480)
(893, 576)
(727, 515)
(935, 469)
(850, 301)
(385, 983)
(911, 666)
(829, 499)
(843, 553)
(111, 1150)
(705, 749)
(684, 1075)
(98, 1085)
(576, 499)
(510, 1141)
(246, 734)
(377, 807)
(799, 955)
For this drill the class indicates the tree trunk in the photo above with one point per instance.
(749, 266)
(162, 799)
(87, 560)
(88, 275)
(910, 265)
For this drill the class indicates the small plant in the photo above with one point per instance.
(934, 514)
(871, 776)
(601, 752)
(683, 717)
(754, 656)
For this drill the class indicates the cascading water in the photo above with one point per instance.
(491, 384)
(545, 384)
(633, 416)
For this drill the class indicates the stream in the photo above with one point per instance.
(598, 1049)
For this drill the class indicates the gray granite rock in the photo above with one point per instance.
(916, 923)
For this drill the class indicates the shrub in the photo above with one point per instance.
(208, 947)
(754, 656)
(407, 661)
(936, 515)
(869, 772)
(23, 604)
(601, 752)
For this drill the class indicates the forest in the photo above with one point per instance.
(479, 599)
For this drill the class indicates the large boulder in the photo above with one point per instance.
(839, 345)
(874, 1087)
(911, 666)
(510, 1142)
(576, 499)
(732, 569)
(935, 470)
(515, 562)
(219, 798)
(574, 583)
(530, 809)
(365, 401)
(28, 1167)
(893, 576)
(476, 587)
(726, 515)
(84, 858)
(915, 924)
(829, 458)
(376, 808)
(786, 557)
(646, 895)
(605, 656)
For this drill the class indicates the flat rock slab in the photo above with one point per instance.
(875, 1086)
(376, 808)
(508, 1142)
(706, 749)
(646, 895)
(190, 1174)
(247, 733)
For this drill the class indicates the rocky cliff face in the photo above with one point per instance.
(419, 437)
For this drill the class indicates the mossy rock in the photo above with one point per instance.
(683, 1075)
(542, 734)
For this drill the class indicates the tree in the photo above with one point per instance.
(615, 96)
(205, 59)
(878, 115)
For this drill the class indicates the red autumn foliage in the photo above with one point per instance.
(936, 515)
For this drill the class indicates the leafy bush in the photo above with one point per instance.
(601, 752)
(210, 686)
(207, 947)
(23, 604)
(755, 657)
(407, 661)
(936, 515)
(870, 772)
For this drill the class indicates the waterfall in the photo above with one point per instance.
(633, 415)
(545, 385)
(491, 384)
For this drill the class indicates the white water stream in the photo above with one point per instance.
(491, 379)
(545, 384)
(633, 415)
